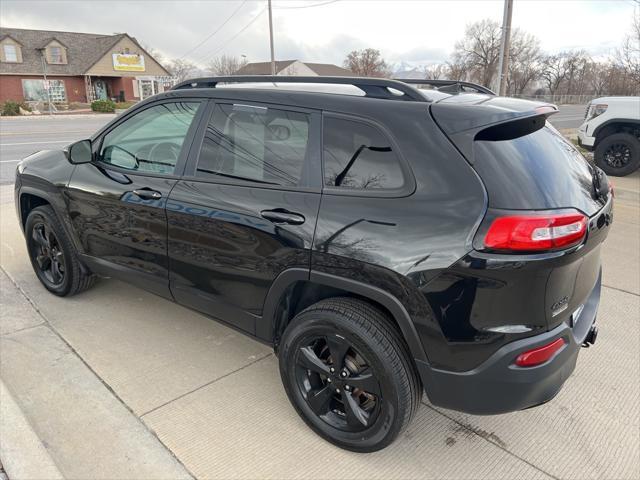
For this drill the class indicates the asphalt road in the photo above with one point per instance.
(23, 136)
(569, 116)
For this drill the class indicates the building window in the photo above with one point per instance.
(56, 55)
(35, 90)
(10, 53)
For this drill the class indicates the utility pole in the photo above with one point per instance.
(273, 58)
(503, 65)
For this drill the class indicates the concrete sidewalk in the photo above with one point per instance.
(118, 383)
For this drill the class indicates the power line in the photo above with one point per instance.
(211, 54)
(216, 31)
(308, 6)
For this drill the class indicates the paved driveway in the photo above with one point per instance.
(119, 383)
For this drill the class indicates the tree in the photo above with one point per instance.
(479, 50)
(226, 65)
(628, 56)
(367, 63)
(524, 62)
(180, 69)
(554, 71)
(435, 71)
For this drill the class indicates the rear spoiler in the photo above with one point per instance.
(478, 117)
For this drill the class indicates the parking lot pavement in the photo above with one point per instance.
(117, 359)
(21, 136)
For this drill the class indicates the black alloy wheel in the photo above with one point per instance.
(338, 383)
(618, 154)
(52, 255)
(348, 373)
(45, 249)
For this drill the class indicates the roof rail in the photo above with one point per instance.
(372, 87)
(447, 86)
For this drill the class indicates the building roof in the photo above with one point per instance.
(264, 68)
(83, 50)
(329, 70)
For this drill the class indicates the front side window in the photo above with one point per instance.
(359, 156)
(257, 144)
(151, 140)
(10, 53)
(55, 55)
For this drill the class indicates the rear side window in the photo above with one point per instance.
(252, 143)
(359, 156)
(540, 170)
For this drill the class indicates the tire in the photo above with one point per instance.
(618, 154)
(52, 255)
(366, 410)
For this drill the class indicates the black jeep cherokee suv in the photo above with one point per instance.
(384, 239)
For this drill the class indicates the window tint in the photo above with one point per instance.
(358, 155)
(536, 171)
(151, 140)
(252, 143)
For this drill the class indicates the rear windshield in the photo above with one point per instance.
(540, 170)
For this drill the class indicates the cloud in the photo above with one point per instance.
(405, 31)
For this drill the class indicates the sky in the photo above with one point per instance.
(416, 32)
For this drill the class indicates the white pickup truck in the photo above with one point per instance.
(611, 128)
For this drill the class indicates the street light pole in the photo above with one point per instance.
(273, 58)
(505, 44)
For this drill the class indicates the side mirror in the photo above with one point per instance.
(80, 152)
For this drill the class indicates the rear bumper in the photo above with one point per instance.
(498, 385)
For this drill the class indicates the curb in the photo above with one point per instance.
(23, 454)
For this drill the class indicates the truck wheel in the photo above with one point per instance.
(348, 374)
(52, 255)
(618, 154)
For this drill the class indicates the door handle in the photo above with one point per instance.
(147, 194)
(280, 215)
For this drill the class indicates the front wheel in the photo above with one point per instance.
(618, 154)
(348, 374)
(52, 255)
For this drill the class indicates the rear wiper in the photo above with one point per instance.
(341, 176)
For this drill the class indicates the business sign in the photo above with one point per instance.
(128, 62)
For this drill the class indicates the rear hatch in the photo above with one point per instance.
(532, 175)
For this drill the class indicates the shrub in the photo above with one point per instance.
(11, 108)
(103, 106)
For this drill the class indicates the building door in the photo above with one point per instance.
(100, 89)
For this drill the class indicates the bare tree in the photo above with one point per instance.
(180, 69)
(435, 71)
(525, 62)
(367, 63)
(628, 56)
(225, 65)
(456, 71)
(554, 71)
(478, 51)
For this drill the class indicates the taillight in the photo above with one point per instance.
(539, 355)
(536, 232)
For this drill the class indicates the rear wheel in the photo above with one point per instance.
(618, 154)
(52, 255)
(348, 374)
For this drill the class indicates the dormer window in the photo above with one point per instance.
(10, 53)
(56, 55)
